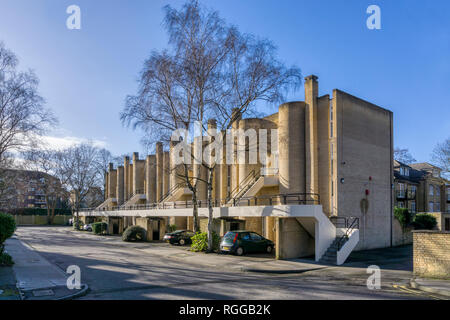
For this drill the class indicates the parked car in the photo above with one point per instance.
(241, 242)
(87, 227)
(71, 222)
(180, 237)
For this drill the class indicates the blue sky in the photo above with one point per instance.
(86, 74)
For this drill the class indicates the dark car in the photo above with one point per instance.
(241, 242)
(180, 237)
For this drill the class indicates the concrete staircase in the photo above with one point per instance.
(330, 256)
(339, 250)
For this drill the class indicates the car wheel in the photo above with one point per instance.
(182, 242)
(240, 251)
(269, 249)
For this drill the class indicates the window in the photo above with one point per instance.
(400, 204)
(404, 171)
(437, 207)
(413, 207)
(430, 206)
(401, 190)
(436, 173)
(431, 191)
(412, 192)
(438, 191)
(255, 237)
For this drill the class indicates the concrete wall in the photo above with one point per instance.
(364, 161)
(292, 240)
(40, 220)
(431, 254)
(401, 237)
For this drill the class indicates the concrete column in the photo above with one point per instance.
(106, 185)
(159, 171)
(291, 146)
(120, 184)
(166, 172)
(126, 177)
(151, 179)
(138, 174)
(311, 140)
(112, 181)
(130, 184)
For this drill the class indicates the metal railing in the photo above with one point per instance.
(244, 185)
(263, 200)
(173, 189)
(349, 223)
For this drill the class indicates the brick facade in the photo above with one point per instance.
(431, 254)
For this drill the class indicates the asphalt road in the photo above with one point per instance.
(118, 272)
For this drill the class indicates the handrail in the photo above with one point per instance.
(239, 191)
(349, 229)
(175, 187)
(239, 186)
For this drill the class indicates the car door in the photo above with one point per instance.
(258, 242)
(246, 242)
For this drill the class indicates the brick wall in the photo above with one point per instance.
(431, 254)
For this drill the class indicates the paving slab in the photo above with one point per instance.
(35, 274)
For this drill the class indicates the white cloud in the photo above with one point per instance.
(59, 143)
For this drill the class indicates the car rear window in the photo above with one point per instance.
(229, 235)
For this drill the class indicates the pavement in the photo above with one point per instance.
(8, 290)
(114, 269)
(36, 278)
(438, 286)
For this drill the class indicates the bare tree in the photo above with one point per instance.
(403, 156)
(22, 112)
(51, 182)
(441, 156)
(79, 167)
(211, 71)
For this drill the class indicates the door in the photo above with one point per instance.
(155, 229)
(258, 242)
(447, 224)
(246, 242)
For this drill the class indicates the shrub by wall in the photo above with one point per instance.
(134, 233)
(424, 221)
(200, 242)
(100, 228)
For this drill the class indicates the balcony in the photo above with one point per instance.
(411, 195)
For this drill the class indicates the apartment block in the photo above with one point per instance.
(326, 178)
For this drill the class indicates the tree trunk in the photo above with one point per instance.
(210, 211)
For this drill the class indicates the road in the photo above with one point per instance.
(114, 271)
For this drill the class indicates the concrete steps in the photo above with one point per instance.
(330, 256)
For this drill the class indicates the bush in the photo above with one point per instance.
(134, 233)
(200, 242)
(100, 228)
(78, 225)
(7, 228)
(424, 221)
(172, 228)
(6, 260)
(403, 216)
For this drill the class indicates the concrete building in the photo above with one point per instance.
(325, 181)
